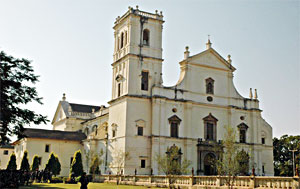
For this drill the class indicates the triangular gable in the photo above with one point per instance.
(210, 58)
(60, 113)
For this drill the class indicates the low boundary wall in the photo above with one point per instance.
(195, 182)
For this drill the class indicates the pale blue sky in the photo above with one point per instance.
(71, 43)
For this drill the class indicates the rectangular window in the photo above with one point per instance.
(40, 160)
(140, 131)
(145, 78)
(143, 163)
(263, 169)
(263, 140)
(5, 152)
(210, 131)
(119, 89)
(113, 133)
(174, 129)
(242, 136)
(47, 148)
(71, 160)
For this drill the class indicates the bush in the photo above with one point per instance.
(57, 180)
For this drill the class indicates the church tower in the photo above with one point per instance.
(137, 54)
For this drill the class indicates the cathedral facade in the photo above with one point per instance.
(145, 118)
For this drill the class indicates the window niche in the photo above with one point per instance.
(146, 37)
(114, 130)
(145, 80)
(210, 127)
(140, 124)
(174, 122)
(209, 85)
(243, 132)
(263, 137)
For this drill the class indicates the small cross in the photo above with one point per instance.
(208, 36)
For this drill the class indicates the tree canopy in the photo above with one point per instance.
(16, 81)
(76, 166)
(53, 164)
(283, 157)
(12, 164)
(25, 164)
(35, 163)
(171, 164)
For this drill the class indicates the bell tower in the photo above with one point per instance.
(137, 58)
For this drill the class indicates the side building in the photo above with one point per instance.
(42, 142)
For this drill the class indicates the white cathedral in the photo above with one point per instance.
(145, 118)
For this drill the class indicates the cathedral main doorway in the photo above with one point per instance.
(209, 164)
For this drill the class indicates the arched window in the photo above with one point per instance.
(86, 131)
(146, 37)
(210, 127)
(174, 123)
(209, 85)
(122, 40)
(243, 132)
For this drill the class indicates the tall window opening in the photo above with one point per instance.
(174, 123)
(243, 132)
(146, 36)
(210, 127)
(145, 80)
(140, 131)
(119, 89)
(209, 86)
(122, 40)
(143, 163)
(47, 148)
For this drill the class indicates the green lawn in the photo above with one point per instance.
(90, 186)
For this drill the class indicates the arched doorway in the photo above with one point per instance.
(209, 164)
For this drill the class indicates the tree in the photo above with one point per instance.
(96, 163)
(283, 159)
(53, 164)
(35, 163)
(76, 166)
(119, 158)
(243, 160)
(16, 88)
(12, 164)
(228, 164)
(24, 163)
(170, 163)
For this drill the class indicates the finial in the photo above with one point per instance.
(160, 13)
(64, 97)
(229, 59)
(187, 52)
(208, 44)
(137, 7)
(129, 7)
(255, 94)
(250, 94)
(156, 11)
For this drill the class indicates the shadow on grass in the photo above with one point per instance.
(52, 186)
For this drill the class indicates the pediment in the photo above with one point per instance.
(174, 118)
(211, 59)
(210, 117)
(59, 114)
(243, 126)
(140, 122)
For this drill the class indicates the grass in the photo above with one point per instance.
(90, 186)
